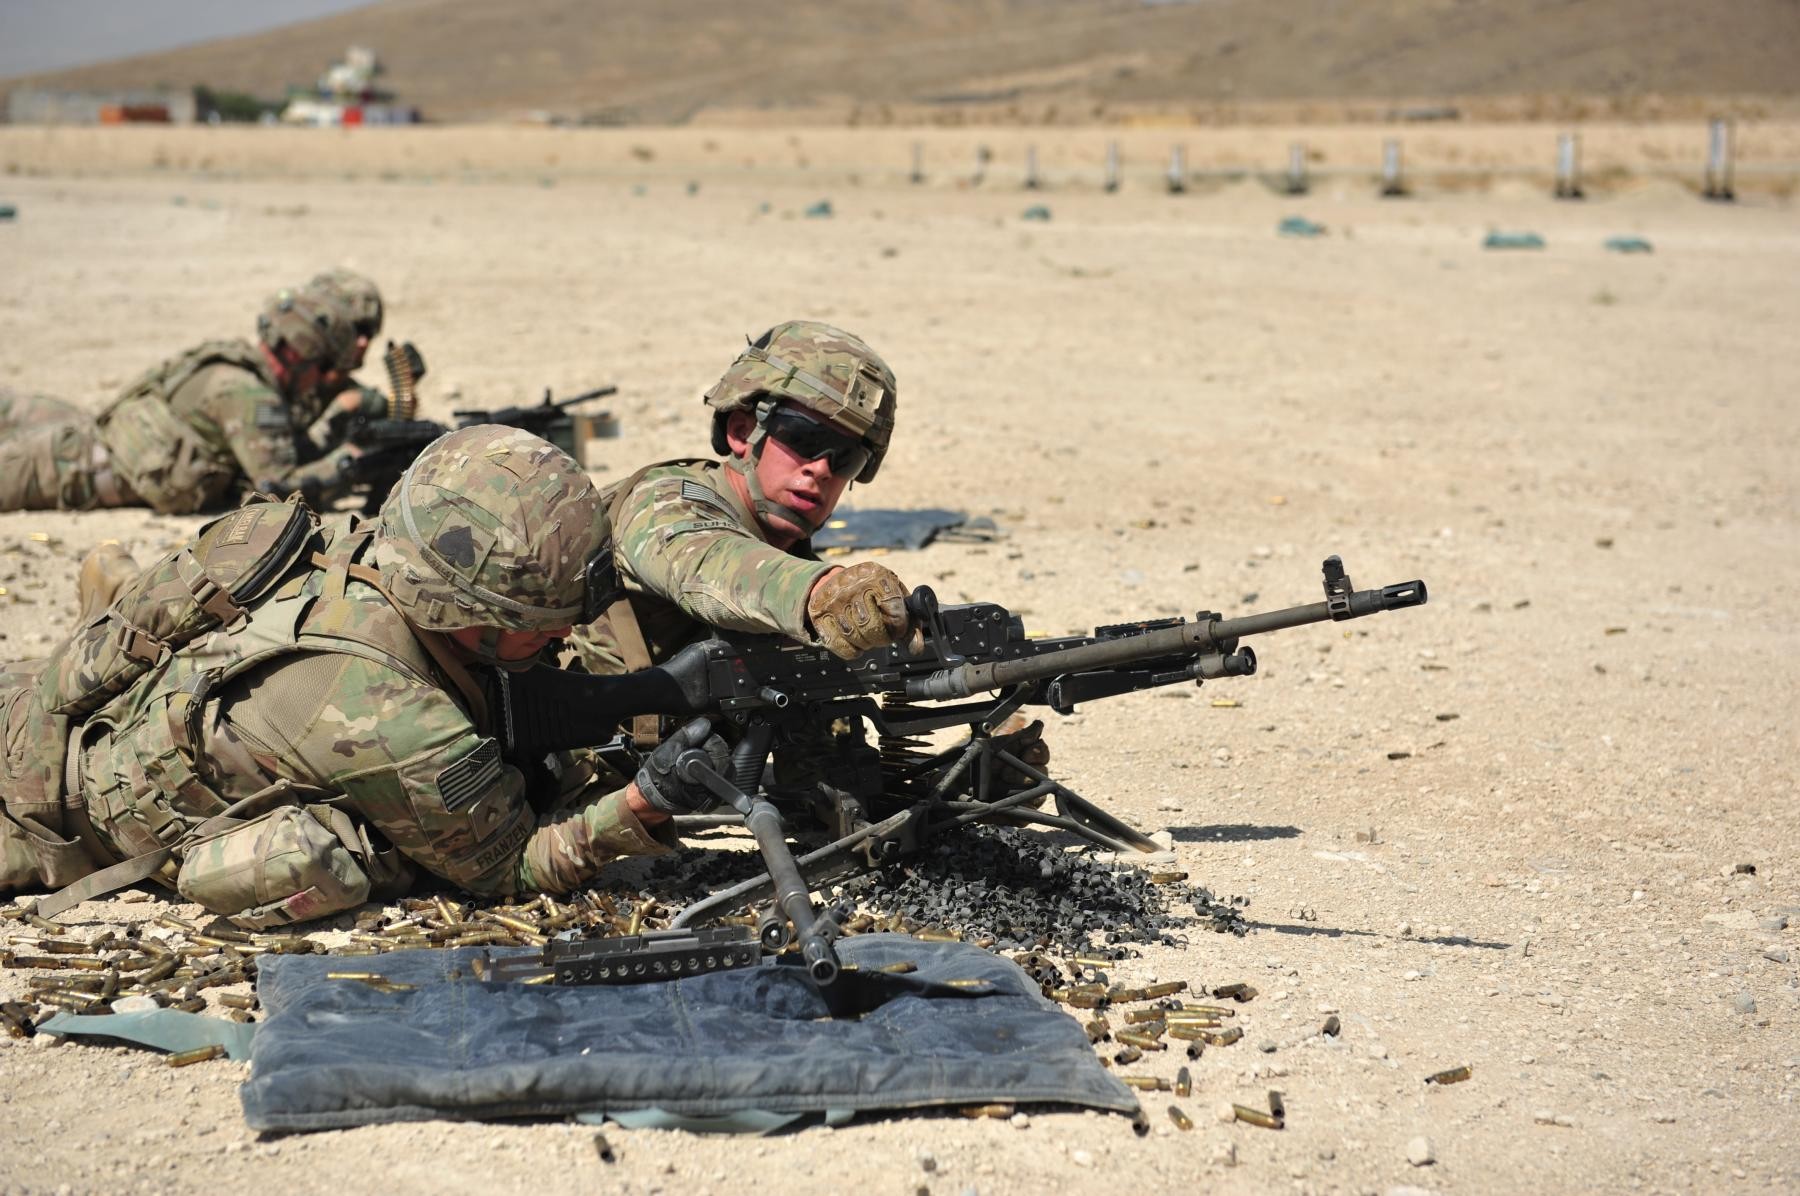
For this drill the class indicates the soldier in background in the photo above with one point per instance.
(307, 731)
(358, 295)
(193, 432)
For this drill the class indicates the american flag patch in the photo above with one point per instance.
(695, 492)
(470, 777)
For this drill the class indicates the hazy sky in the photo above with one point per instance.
(43, 35)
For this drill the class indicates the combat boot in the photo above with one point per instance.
(104, 572)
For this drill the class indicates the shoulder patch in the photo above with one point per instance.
(468, 778)
(695, 492)
(270, 416)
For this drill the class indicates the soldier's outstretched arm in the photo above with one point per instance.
(682, 541)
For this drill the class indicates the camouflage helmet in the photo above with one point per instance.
(316, 330)
(823, 369)
(358, 292)
(491, 527)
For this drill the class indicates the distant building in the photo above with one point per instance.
(34, 106)
(346, 94)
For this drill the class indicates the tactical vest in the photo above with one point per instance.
(138, 771)
(164, 458)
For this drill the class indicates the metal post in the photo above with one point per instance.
(1718, 160)
(1177, 170)
(918, 166)
(1392, 185)
(1031, 168)
(1568, 166)
(1297, 183)
(1112, 166)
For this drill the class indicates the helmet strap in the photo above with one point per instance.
(746, 465)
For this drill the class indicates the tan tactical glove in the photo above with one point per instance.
(853, 610)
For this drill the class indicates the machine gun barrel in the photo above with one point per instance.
(1214, 639)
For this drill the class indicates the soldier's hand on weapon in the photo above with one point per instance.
(659, 778)
(334, 423)
(853, 610)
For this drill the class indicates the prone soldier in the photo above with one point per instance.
(193, 432)
(280, 719)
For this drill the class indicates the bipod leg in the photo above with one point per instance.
(835, 859)
(1085, 818)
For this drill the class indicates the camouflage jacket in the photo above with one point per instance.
(194, 430)
(692, 557)
(326, 685)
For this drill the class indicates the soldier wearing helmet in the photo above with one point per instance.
(193, 432)
(805, 410)
(322, 735)
(360, 299)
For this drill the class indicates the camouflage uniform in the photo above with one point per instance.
(269, 768)
(185, 435)
(691, 557)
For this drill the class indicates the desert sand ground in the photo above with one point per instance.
(1561, 761)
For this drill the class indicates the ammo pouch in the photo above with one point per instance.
(292, 864)
(162, 458)
(188, 593)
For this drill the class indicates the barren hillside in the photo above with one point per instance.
(1024, 60)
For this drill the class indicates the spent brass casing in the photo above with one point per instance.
(937, 934)
(1249, 1116)
(238, 1000)
(902, 968)
(1201, 1011)
(1098, 1030)
(1277, 1106)
(62, 947)
(1124, 995)
(1167, 878)
(1195, 1050)
(603, 1149)
(1221, 1037)
(1454, 1075)
(1129, 1054)
(968, 983)
(238, 1015)
(1090, 961)
(518, 924)
(636, 925)
(995, 1110)
(1140, 1016)
(44, 924)
(171, 922)
(197, 1055)
(189, 1005)
(1166, 988)
(1184, 1083)
(1182, 1120)
(1137, 1038)
(1146, 1083)
(1190, 1032)
(1085, 1000)
(1239, 992)
(1331, 1027)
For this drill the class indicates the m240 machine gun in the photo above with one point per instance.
(877, 804)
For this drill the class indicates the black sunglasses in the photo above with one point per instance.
(810, 440)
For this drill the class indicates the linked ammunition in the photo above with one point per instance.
(1181, 1120)
(1166, 988)
(1256, 1117)
(1146, 1083)
(1277, 1106)
(238, 1000)
(1454, 1075)
(1331, 1027)
(1098, 1030)
(902, 968)
(1126, 1055)
(996, 1110)
(1184, 1083)
(1137, 1038)
(1238, 992)
(197, 1055)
